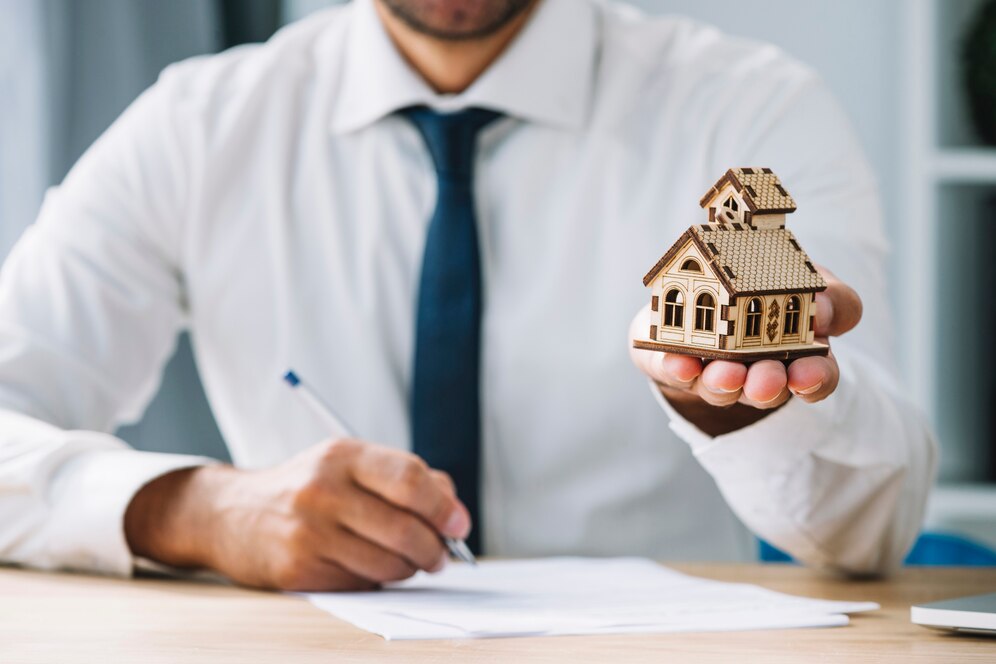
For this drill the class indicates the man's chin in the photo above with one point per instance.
(456, 20)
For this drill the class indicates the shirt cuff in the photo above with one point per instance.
(88, 501)
(779, 440)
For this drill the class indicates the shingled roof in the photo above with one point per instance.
(749, 261)
(761, 189)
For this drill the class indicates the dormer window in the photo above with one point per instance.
(729, 212)
(691, 265)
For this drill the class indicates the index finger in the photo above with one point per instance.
(671, 369)
(406, 481)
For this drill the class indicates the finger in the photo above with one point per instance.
(366, 559)
(406, 481)
(444, 481)
(813, 379)
(392, 528)
(765, 385)
(721, 382)
(680, 370)
(319, 575)
(669, 369)
(838, 308)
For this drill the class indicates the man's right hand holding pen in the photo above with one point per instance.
(341, 515)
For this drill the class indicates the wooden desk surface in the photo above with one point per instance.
(68, 618)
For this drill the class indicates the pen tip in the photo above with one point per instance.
(291, 378)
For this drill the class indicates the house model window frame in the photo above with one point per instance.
(761, 283)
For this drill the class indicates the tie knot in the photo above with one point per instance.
(451, 137)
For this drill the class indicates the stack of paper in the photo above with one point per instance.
(573, 596)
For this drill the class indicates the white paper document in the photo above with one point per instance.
(573, 596)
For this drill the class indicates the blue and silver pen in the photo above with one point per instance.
(457, 547)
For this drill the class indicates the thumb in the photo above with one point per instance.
(838, 308)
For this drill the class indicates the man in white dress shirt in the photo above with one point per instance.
(274, 202)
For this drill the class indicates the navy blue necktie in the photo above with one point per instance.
(445, 398)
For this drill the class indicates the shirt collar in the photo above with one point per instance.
(545, 75)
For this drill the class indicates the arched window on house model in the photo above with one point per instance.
(674, 308)
(753, 323)
(691, 265)
(705, 313)
(792, 308)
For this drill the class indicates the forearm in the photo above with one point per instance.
(170, 520)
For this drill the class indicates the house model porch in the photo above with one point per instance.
(738, 287)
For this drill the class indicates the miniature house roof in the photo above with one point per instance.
(749, 262)
(760, 188)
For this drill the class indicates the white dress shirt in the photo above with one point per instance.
(269, 200)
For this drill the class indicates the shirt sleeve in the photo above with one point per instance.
(91, 301)
(843, 483)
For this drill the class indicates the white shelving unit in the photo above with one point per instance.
(949, 177)
(965, 165)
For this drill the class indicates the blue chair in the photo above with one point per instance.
(772, 554)
(930, 549)
(950, 549)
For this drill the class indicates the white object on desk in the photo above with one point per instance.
(556, 596)
(964, 614)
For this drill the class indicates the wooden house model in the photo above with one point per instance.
(738, 287)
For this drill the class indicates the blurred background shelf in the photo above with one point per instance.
(973, 164)
(946, 306)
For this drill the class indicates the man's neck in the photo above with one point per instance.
(449, 66)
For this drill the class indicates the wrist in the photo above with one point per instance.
(712, 420)
(171, 520)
